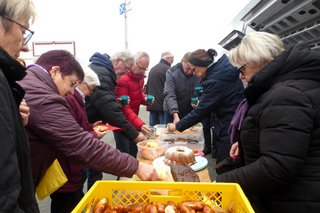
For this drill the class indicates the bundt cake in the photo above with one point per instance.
(179, 155)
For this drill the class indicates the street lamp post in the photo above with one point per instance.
(124, 10)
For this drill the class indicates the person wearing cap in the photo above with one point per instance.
(70, 194)
(155, 86)
(222, 92)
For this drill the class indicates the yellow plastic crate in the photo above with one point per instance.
(129, 192)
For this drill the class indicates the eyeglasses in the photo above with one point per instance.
(26, 32)
(74, 84)
(242, 69)
(141, 68)
(88, 87)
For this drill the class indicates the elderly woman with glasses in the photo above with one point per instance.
(279, 141)
(16, 185)
(53, 132)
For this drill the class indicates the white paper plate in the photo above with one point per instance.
(200, 164)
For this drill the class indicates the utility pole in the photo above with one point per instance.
(124, 10)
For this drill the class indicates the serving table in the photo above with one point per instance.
(203, 174)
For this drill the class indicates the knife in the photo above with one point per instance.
(227, 161)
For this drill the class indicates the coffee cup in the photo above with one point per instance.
(150, 99)
(124, 99)
(194, 100)
(198, 90)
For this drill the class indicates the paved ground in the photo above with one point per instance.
(45, 204)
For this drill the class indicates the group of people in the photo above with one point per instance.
(268, 120)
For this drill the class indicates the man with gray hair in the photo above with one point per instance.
(155, 86)
(102, 104)
(131, 84)
(126, 57)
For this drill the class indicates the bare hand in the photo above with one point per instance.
(24, 112)
(140, 137)
(176, 118)
(97, 123)
(99, 133)
(146, 172)
(234, 151)
(146, 130)
(171, 127)
(194, 106)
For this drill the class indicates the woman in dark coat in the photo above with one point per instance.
(16, 185)
(280, 134)
(222, 92)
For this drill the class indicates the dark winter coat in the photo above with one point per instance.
(155, 84)
(52, 130)
(178, 90)
(102, 104)
(132, 85)
(16, 185)
(280, 136)
(222, 92)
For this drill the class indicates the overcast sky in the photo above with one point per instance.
(154, 26)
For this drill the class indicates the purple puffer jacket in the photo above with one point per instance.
(75, 170)
(53, 131)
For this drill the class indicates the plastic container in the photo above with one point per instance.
(151, 149)
(192, 141)
(160, 129)
(228, 196)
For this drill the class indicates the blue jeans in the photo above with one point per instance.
(124, 144)
(159, 117)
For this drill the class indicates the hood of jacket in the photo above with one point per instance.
(106, 75)
(222, 70)
(102, 59)
(297, 62)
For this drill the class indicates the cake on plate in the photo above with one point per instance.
(183, 173)
(179, 155)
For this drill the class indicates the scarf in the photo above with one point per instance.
(237, 120)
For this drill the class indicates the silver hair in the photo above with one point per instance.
(256, 48)
(15, 9)
(90, 77)
(166, 54)
(140, 55)
(124, 55)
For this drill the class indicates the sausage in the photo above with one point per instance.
(134, 208)
(119, 209)
(185, 209)
(208, 209)
(100, 206)
(149, 208)
(159, 206)
(109, 210)
(196, 205)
